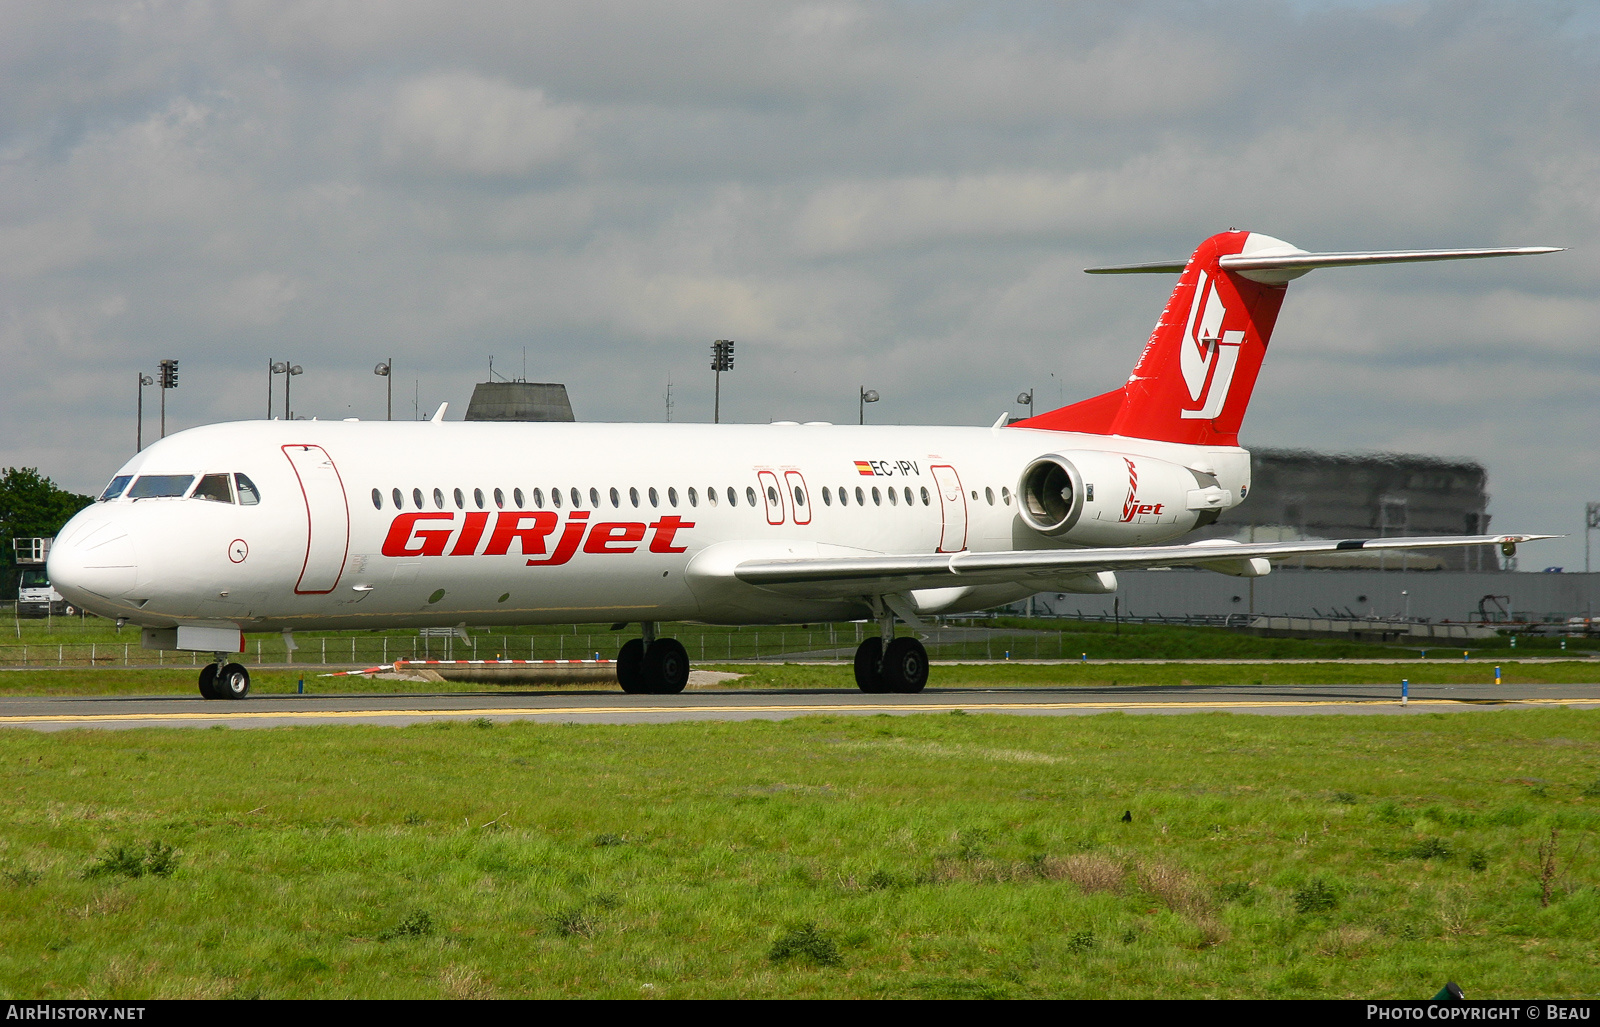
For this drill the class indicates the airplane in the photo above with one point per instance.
(253, 526)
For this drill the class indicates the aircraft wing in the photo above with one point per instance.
(866, 575)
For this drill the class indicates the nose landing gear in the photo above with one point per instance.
(224, 680)
(651, 665)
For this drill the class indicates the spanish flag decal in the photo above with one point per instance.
(862, 467)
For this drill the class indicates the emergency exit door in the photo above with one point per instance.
(952, 508)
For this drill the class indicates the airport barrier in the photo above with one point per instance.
(839, 643)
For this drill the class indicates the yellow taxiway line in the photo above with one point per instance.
(567, 711)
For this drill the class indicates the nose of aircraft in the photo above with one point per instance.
(93, 562)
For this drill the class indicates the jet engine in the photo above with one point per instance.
(1116, 499)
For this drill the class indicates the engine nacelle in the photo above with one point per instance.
(1116, 499)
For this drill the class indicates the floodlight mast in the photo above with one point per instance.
(138, 431)
(721, 360)
(867, 396)
(382, 371)
(167, 373)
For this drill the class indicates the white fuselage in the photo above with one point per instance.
(651, 518)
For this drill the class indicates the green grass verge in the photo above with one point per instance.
(939, 856)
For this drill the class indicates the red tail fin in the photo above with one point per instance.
(1194, 379)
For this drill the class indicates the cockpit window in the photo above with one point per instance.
(114, 489)
(160, 486)
(213, 487)
(249, 495)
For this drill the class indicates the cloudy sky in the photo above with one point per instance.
(896, 195)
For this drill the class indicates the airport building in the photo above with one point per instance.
(1297, 494)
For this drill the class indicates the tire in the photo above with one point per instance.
(232, 682)
(208, 679)
(666, 667)
(630, 666)
(905, 666)
(869, 657)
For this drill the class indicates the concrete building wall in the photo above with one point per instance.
(519, 401)
(1435, 596)
(1299, 494)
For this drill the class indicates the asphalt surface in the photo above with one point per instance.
(607, 706)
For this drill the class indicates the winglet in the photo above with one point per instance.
(438, 415)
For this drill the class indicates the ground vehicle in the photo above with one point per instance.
(35, 595)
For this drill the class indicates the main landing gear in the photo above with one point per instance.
(224, 680)
(901, 666)
(651, 665)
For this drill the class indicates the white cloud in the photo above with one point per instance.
(467, 123)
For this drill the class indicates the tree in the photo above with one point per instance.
(31, 506)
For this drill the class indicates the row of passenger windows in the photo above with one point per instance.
(215, 488)
(576, 497)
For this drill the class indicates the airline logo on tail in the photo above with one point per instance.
(1208, 355)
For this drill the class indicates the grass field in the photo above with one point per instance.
(938, 856)
(181, 681)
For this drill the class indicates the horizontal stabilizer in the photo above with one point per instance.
(1290, 263)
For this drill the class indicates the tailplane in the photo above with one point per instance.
(1193, 382)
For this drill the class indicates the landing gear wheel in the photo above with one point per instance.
(232, 682)
(666, 667)
(905, 666)
(208, 681)
(869, 658)
(630, 667)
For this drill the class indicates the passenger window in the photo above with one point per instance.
(594, 498)
(1005, 495)
(114, 489)
(988, 493)
(555, 498)
(908, 495)
(160, 486)
(477, 497)
(577, 499)
(694, 498)
(616, 500)
(416, 498)
(399, 503)
(827, 497)
(377, 499)
(461, 501)
(633, 496)
(924, 495)
(894, 499)
(215, 488)
(654, 499)
(672, 496)
(799, 497)
(249, 495)
(499, 500)
(861, 497)
(538, 498)
(877, 500)
(711, 495)
(772, 495)
(438, 499)
(733, 497)
(750, 495)
(516, 497)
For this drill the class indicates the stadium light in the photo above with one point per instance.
(1026, 397)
